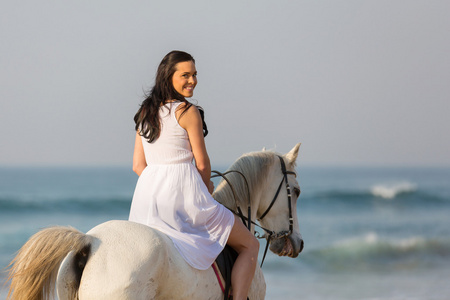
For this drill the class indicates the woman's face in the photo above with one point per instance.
(184, 79)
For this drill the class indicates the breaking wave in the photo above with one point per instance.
(400, 192)
(374, 252)
(390, 191)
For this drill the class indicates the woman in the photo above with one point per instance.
(172, 194)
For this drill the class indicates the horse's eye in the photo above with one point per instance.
(297, 191)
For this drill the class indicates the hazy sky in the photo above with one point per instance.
(357, 82)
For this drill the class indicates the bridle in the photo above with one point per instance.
(282, 234)
(289, 196)
(271, 235)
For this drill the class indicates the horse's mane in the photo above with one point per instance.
(255, 166)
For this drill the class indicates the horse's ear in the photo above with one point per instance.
(292, 155)
(263, 149)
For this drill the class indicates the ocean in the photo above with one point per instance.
(370, 233)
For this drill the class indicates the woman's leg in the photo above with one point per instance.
(247, 247)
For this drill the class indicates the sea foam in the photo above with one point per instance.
(390, 191)
(372, 251)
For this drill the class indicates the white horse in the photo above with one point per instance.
(126, 260)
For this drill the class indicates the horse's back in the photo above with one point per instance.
(125, 259)
(133, 261)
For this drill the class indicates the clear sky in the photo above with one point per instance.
(357, 82)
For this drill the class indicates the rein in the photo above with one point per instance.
(238, 208)
(272, 235)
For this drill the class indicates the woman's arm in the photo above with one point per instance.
(191, 121)
(139, 162)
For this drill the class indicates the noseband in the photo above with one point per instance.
(272, 235)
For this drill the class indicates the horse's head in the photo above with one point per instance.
(265, 181)
(276, 206)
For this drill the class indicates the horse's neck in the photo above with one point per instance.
(257, 175)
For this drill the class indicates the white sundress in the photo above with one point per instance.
(171, 196)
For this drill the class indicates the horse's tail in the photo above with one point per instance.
(33, 271)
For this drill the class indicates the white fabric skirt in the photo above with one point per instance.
(174, 199)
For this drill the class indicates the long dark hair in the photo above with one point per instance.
(147, 117)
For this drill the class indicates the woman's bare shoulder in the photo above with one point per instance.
(187, 116)
(186, 108)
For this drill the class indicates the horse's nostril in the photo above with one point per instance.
(301, 245)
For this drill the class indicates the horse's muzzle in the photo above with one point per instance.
(288, 246)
